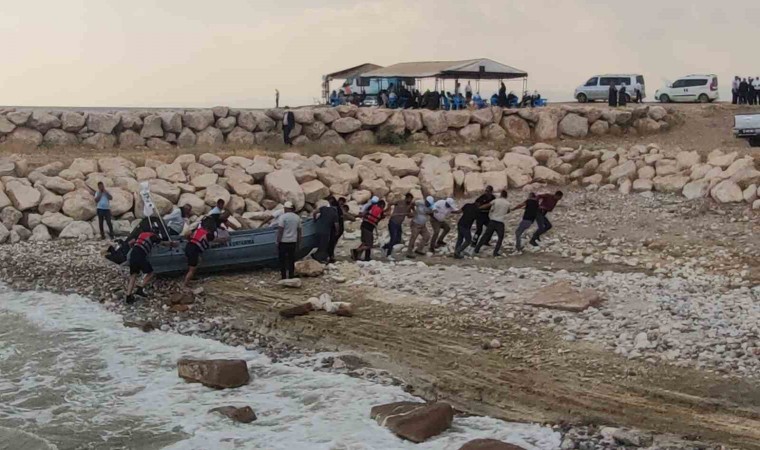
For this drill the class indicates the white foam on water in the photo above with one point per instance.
(125, 381)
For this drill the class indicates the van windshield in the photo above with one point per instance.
(592, 81)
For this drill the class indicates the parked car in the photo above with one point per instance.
(747, 126)
(691, 88)
(598, 87)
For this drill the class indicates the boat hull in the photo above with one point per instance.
(248, 249)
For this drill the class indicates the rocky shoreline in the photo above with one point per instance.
(74, 267)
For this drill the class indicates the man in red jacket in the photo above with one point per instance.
(546, 204)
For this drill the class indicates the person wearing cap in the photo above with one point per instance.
(441, 227)
(420, 218)
(497, 218)
(370, 219)
(288, 240)
(326, 221)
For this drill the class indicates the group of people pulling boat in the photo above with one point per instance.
(486, 215)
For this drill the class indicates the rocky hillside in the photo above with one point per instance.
(55, 200)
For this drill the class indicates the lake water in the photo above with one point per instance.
(72, 377)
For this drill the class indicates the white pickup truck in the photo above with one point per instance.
(747, 126)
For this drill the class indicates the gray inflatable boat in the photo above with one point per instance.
(247, 249)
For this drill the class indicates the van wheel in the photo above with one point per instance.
(703, 98)
(582, 98)
(664, 98)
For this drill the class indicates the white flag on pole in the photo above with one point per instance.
(148, 206)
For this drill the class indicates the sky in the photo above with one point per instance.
(201, 53)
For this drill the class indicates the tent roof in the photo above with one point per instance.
(352, 72)
(469, 68)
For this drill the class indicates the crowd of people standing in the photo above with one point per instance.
(404, 98)
(745, 91)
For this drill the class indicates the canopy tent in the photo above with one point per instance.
(351, 72)
(473, 69)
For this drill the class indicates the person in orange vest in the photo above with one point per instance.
(199, 242)
(142, 245)
(370, 218)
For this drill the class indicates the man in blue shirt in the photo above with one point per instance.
(103, 201)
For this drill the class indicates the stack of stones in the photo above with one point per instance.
(55, 200)
(346, 124)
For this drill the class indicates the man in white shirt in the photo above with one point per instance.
(176, 220)
(441, 211)
(735, 90)
(496, 220)
(288, 240)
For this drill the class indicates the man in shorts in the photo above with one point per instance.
(200, 240)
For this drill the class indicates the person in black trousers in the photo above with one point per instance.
(484, 203)
(288, 240)
(288, 123)
(326, 221)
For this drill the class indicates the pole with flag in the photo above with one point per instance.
(149, 208)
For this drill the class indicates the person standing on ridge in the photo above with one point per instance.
(622, 96)
(613, 96)
(276, 98)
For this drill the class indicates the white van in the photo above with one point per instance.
(598, 87)
(691, 88)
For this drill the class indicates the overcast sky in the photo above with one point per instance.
(195, 53)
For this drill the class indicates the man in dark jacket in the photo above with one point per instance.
(613, 95)
(288, 123)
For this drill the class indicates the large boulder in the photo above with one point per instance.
(657, 112)
(282, 186)
(56, 221)
(22, 196)
(471, 132)
(40, 233)
(43, 121)
(87, 166)
(670, 183)
(198, 120)
(413, 120)
(240, 137)
(58, 138)
(214, 193)
(494, 133)
(400, 167)
(171, 121)
(489, 444)
(686, 160)
(171, 172)
(516, 127)
(395, 125)
(466, 162)
(626, 170)
(303, 115)
(546, 127)
(227, 124)
(102, 122)
(210, 137)
(416, 422)
(187, 138)
(437, 180)
(25, 137)
(314, 191)
(331, 138)
(457, 118)
(152, 127)
(77, 230)
(362, 137)
(371, 117)
(10, 216)
(130, 139)
(205, 180)
(434, 121)
(197, 204)
(333, 173)
(524, 163)
(164, 189)
(564, 297)
(543, 174)
(727, 191)
(599, 128)
(6, 126)
(130, 120)
(346, 125)
(121, 202)
(79, 205)
(326, 115)
(696, 189)
(483, 116)
(58, 185)
(100, 141)
(215, 373)
(163, 206)
(574, 125)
